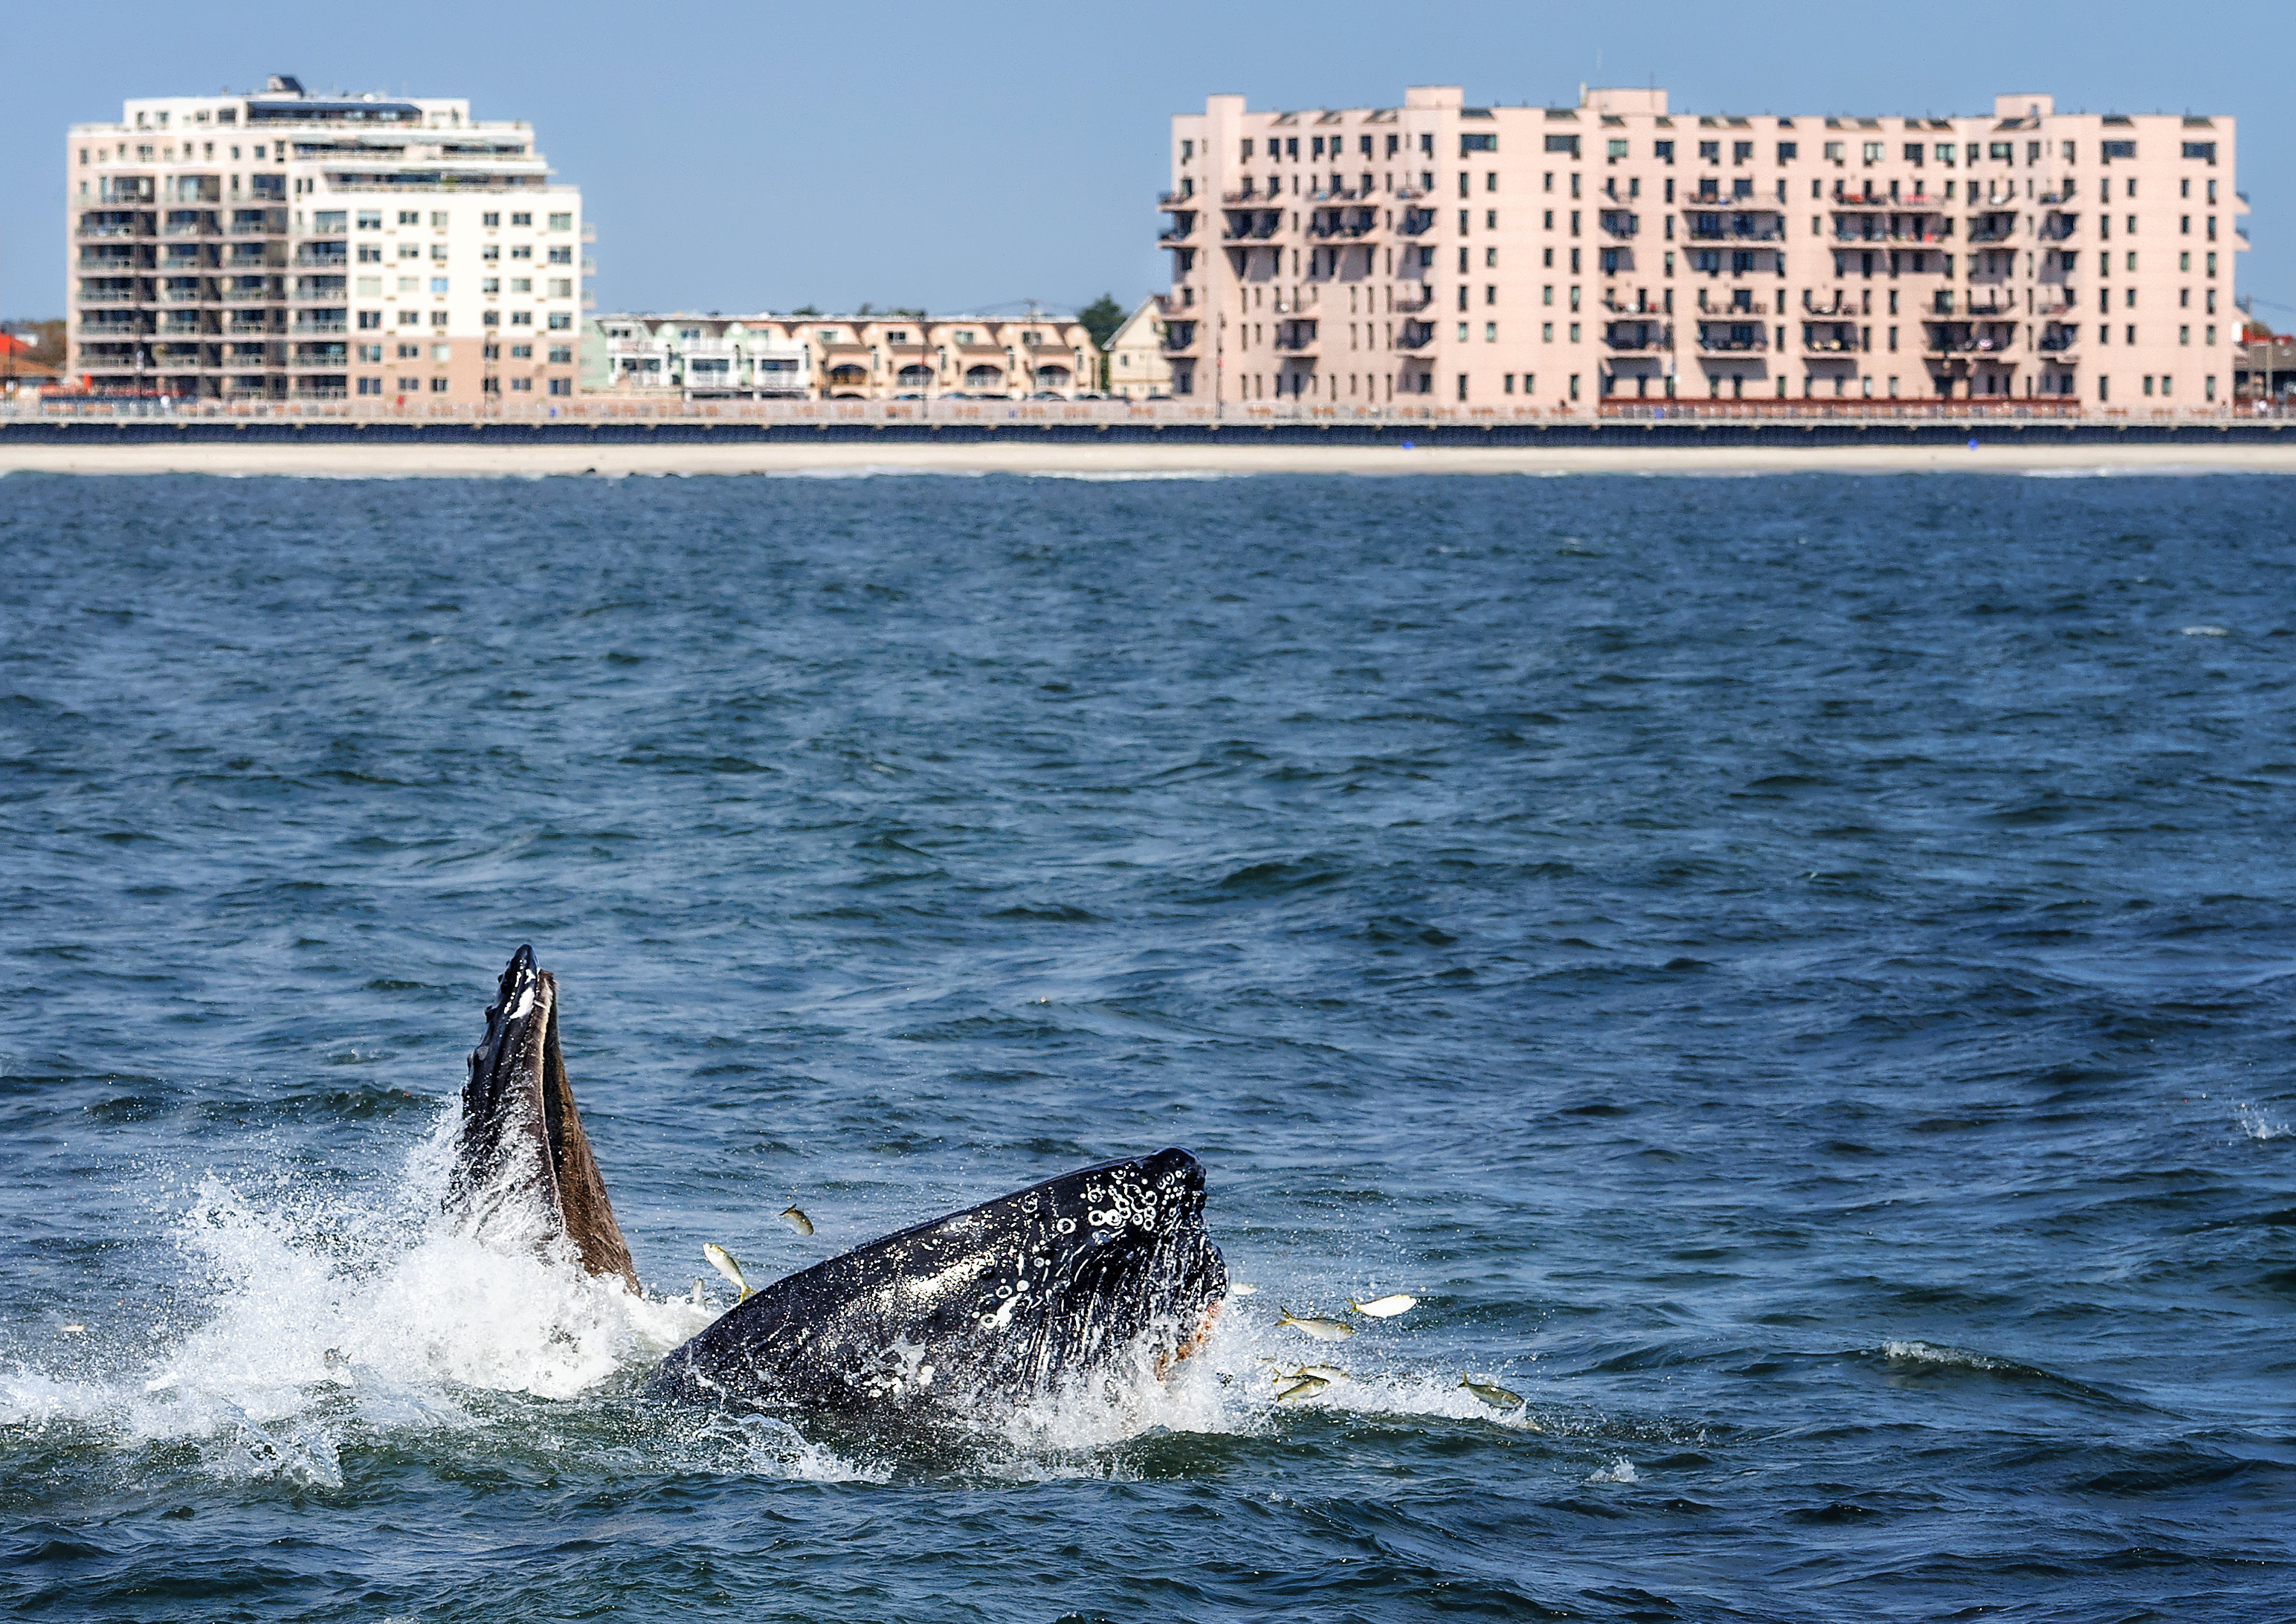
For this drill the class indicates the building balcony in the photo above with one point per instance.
(1178, 232)
(1712, 228)
(2056, 340)
(1415, 221)
(1179, 336)
(1295, 337)
(1425, 301)
(1875, 204)
(92, 230)
(107, 296)
(1637, 336)
(1415, 336)
(1731, 312)
(1875, 233)
(1620, 223)
(1175, 199)
(1733, 338)
(1830, 338)
(303, 327)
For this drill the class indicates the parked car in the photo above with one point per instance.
(1048, 394)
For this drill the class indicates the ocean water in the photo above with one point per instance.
(1795, 974)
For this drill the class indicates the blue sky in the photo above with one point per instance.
(738, 157)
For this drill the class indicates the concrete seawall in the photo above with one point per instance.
(388, 449)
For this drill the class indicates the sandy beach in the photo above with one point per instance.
(1070, 460)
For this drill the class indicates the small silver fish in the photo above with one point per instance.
(1321, 1330)
(1384, 1308)
(1491, 1393)
(797, 1219)
(1321, 1373)
(723, 1262)
(1306, 1387)
(73, 1330)
(694, 1296)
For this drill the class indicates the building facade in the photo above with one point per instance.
(837, 357)
(278, 245)
(1139, 366)
(1564, 256)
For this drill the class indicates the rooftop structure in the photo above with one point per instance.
(1561, 256)
(281, 245)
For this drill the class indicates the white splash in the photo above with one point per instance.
(1930, 1353)
(1619, 1471)
(2256, 1125)
(324, 1317)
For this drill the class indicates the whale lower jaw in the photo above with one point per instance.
(1102, 1270)
(521, 1160)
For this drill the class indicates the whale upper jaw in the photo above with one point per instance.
(1102, 1269)
(521, 1152)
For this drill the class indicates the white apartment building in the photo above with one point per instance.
(280, 245)
(838, 357)
(1613, 251)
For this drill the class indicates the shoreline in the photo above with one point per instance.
(1133, 460)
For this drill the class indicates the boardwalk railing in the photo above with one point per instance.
(600, 409)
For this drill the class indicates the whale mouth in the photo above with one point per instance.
(1105, 1269)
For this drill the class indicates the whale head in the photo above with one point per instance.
(1106, 1268)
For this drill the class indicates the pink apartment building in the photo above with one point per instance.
(1612, 252)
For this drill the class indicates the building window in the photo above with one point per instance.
(490, 386)
(440, 386)
(561, 222)
(438, 319)
(369, 318)
(1490, 332)
(522, 219)
(560, 321)
(406, 217)
(562, 386)
(521, 386)
(561, 355)
(370, 385)
(522, 352)
(522, 318)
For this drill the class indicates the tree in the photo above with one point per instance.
(1102, 318)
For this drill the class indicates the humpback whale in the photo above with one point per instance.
(1105, 1270)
